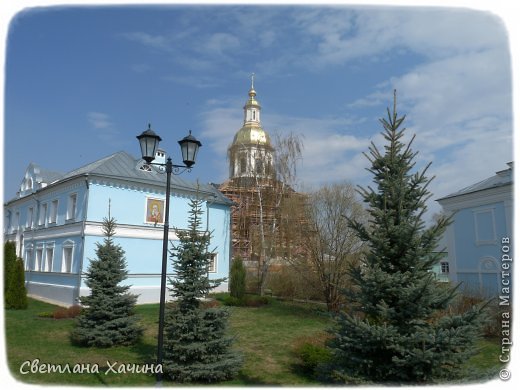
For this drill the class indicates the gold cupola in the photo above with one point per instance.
(251, 131)
(251, 153)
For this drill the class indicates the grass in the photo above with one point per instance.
(265, 335)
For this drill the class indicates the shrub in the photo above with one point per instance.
(312, 353)
(16, 294)
(62, 312)
(237, 278)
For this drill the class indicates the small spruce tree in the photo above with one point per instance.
(237, 279)
(9, 260)
(15, 293)
(107, 318)
(196, 346)
(399, 331)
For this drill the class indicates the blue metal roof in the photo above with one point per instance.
(122, 165)
(500, 179)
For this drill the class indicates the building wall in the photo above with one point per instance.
(478, 251)
(142, 240)
(56, 227)
(75, 237)
(480, 222)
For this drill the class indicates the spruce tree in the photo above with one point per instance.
(107, 318)
(15, 293)
(399, 330)
(237, 279)
(196, 346)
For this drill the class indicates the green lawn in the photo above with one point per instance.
(265, 335)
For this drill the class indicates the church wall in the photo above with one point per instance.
(481, 220)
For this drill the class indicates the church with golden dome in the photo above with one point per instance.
(255, 191)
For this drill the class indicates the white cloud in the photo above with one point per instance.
(344, 35)
(103, 127)
(98, 120)
(159, 41)
(220, 43)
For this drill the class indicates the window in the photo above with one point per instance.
(28, 258)
(49, 257)
(243, 165)
(43, 214)
(71, 208)
(485, 232)
(259, 166)
(66, 264)
(445, 267)
(16, 223)
(38, 261)
(30, 216)
(53, 216)
(213, 263)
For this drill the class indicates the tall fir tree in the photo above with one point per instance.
(196, 347)
(107, 318)
(399, 330)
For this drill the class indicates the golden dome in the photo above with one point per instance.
(251, 134)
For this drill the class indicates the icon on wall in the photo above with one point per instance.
(154, 211)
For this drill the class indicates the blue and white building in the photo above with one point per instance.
(56, 221)
(482, 223)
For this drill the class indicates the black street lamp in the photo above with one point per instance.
(149, 142)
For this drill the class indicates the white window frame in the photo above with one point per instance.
(213, 264)
(38, 260)
(49, 258)
(445, 267)
(67, 246)
(29, 251)
(43, 214)
(16, 223)
(53, 213)
(478, 240)
(72, 206)
(30, 218)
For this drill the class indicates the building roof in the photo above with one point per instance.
(48, 176)
(122, 165)
(500, 179)
(251, 134)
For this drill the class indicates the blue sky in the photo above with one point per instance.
(82, 82)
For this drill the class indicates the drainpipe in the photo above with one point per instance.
(76, 294)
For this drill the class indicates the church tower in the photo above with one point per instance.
(251, 153)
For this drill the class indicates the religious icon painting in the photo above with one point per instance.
(154, 211)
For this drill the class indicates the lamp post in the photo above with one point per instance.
(149, 142)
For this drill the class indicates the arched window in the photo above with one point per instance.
(243, 164)
(259, 166)
(488, 273)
